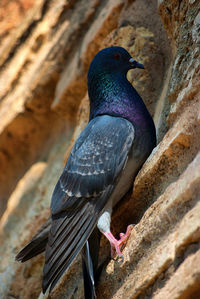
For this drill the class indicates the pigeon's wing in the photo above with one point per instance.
(83, 189)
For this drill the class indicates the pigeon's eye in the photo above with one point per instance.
(117, 56)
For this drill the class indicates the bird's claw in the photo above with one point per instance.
(116, 244)
(120, 259)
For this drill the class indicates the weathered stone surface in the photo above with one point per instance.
(159, 240)
(185, 282)
(24, 220)
(71, 89)
(180, 21)
(45, 52)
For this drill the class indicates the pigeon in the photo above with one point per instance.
(100, 170)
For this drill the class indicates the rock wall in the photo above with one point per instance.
(46, 48)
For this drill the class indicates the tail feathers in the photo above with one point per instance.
(90, 263)
(88, 273)
(65, 242)
(37, 245)
(34, 248)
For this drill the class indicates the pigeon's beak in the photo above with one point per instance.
(134, 64)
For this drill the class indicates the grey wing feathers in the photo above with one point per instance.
(94, 163)
(83, 190)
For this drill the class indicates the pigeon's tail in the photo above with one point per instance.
(88, 273)
(67, 237)
(37, 245)
(90, 254)
(33, 248)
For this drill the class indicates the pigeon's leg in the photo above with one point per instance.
(104, 226)
(116, 244)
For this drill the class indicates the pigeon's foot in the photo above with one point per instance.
(116, 244)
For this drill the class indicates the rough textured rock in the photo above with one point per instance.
(46, 48)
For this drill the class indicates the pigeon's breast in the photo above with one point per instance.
(139, 152)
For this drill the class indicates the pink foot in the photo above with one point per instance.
(116, 244)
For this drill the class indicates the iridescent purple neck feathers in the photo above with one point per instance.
(113, 94)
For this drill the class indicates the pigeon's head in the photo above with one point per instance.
(113, 60)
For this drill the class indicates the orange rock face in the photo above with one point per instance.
(45, 51)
